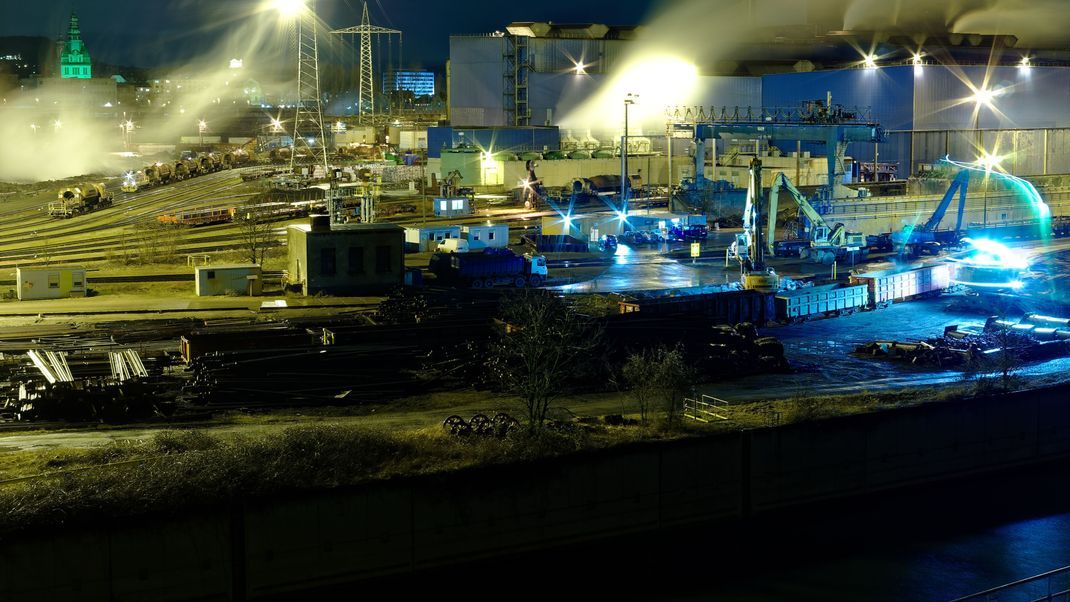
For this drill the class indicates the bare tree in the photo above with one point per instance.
(640, 373)
(674, 378)
(155, 241)
(256, 230)
(545, 344)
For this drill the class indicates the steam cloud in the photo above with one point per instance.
(86, 144)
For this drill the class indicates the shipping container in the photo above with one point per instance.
(733, 307)
(818, 301)
(890, 286)
(556, 243)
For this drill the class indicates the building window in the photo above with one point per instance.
(211, 274)
(78, 282)
(475, 236)
(328, 262)
(443, 205)
(383, 258)
(356, 260)
(53, 281)
(490, 235)
(458, 204)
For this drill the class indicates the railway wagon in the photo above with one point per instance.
(890, 286)
(199, 217)
(732, 307)
(820, 301)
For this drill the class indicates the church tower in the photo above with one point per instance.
(74, 62)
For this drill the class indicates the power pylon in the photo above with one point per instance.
(366, 90)
(310, 141)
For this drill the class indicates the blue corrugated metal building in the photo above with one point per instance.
(493, 140)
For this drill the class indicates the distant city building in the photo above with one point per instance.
(420, 83)
(74, 60)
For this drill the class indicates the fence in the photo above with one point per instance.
(706, 409)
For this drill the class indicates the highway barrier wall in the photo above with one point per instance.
(274, 547)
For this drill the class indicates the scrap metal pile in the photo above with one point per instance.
(1034, 338)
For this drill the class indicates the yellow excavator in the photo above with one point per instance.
(756, 276)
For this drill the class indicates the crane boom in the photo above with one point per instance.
(817, 222)
(960, 184)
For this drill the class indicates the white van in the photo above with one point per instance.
(453, 245)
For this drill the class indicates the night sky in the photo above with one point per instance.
(151, 33)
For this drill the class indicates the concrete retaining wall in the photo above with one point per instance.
(289, 545)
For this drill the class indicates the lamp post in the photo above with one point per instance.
(629, 100)
(202, 127)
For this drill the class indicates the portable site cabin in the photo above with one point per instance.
(453, 207)
(240, 279)
(495, 236)
(424, 239)
(50, 283)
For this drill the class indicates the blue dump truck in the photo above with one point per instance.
(490, 268)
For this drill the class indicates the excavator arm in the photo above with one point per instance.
(961, 185)
(782, 183)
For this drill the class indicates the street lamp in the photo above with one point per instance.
(629, 100)
(202, 127)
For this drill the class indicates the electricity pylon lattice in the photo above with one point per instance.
(366, 89)
(310, 141)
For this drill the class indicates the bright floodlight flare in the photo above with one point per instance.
(989, 161)
(870, 61)
(1025, 62)
(289, 8)
(580, 69)
(917, 59)
(984, 96)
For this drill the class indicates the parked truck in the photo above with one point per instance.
(492, 267)
(78, 201)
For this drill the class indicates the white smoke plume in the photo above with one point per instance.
(88, 143)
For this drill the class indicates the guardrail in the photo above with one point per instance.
(1052, 586)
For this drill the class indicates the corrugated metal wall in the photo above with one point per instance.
(1027, 98)
(477, 78)
(1023, 151)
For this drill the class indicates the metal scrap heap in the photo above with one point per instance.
(1001, 341)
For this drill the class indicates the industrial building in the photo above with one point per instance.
(352, 259)
(34, 284)
(930, 110)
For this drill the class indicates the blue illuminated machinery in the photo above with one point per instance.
(914, 240)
